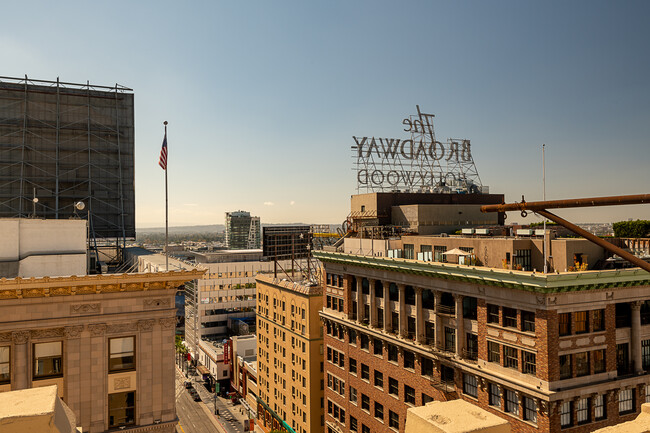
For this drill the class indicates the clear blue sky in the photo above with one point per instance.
(263, 98)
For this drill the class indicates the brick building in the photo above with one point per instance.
(548, 352)
(289, 356)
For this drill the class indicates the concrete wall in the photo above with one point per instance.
(38, 248)
(441, 218)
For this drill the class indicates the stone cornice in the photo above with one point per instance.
(299, 288)
(528, 281)
(16, 288)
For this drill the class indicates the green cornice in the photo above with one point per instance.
(529, 281)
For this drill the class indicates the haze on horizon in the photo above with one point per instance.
(263, 99)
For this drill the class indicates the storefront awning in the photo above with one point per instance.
(202, 370)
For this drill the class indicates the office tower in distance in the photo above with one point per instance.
(242, 231)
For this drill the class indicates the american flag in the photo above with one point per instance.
(163, 154)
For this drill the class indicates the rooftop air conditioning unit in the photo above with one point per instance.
(483, 231)
(467, 231)
(524, 232)
(539, 232)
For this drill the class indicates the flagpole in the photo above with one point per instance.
(166, 212)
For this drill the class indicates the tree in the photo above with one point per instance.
(180, 347)
(632, 229)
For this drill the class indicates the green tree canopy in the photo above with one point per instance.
(632, 229)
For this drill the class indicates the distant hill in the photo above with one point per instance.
(212, 228)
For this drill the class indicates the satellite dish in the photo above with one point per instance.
(79, 205)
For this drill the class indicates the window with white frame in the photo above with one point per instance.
(566, 414)
(530, 409)
(582, 411)
(353, 395)
(512, 403)
(122, 354)
(625, 401)
(600, 410)
(48, 359)
(469, 385)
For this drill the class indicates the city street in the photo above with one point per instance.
(198, 416)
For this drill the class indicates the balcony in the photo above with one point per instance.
(448, 350)
(470, 355)
(446, 309)
(445, 385)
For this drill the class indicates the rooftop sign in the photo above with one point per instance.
(417, 163)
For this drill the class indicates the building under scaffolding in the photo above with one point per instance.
(67, 150)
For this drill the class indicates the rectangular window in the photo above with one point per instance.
(598, 320)
(352, 335)
(581, 323)
(510, 357)
(509, 317)
(353, 395)
(353, 365)
(121, 409)
(582, 411)
(393, 420)
(582, 363)
(379, 379)
(426, 399)
(530, 410)
(565, 367)
(365, 428)
(529, 363)
(450, 339)
(566, 414)
(494, 352)
(377, 347)
(392, 352)
(527, 321)
(438, 253)
(122, 354)
(426, 367)
(409, 251)
(5, 371)
(600, 411)
(379, 411)
(495, 395)
(48, 360)
(599, 361)
(409, 394)
(364, 341)
(625, 401)
(365, 372)
(522, 260)
(393, 386)
(512, 403)
(564, 323)
(493, 313)
(645, 350)
(472, 346)
(365, 402)
(409, 359)
(353, 424)
(469, 385)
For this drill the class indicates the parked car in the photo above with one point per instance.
(188, 384)
(197, 397)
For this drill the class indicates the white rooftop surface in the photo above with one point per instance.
(35, 410)
(456, 416)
